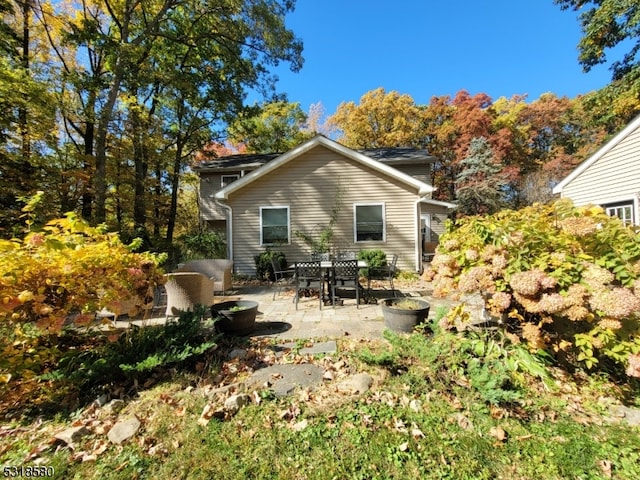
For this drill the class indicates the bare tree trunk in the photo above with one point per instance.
(175, 184)
(23, 114)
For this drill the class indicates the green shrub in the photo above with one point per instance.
(565, 279)
(139, 350)
(375, 259)
(202, 244)
(264, 269)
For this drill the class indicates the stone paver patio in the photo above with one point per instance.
(279, 318)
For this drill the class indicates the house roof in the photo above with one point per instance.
(241, 161)
(439, 203)
(275, 163)
(251, 161)
(610, 145)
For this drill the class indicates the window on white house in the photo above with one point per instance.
(369, 222)
(274, 225)
(622, 210)
(227, 179)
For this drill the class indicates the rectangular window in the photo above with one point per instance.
(274, 225)
(622, 210)
(368, 220)
(227, 179)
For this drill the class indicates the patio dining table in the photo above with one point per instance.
(325, 266)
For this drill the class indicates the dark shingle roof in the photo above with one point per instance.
(251, 161)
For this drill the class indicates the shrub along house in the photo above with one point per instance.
(610, 177)
(380, 198)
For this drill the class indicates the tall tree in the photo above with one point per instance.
(27, 118)
(275, 127)
(480, 185)
(448, 126)
(381, 119)
(607, 24)
(229, 44)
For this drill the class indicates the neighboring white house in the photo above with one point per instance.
(610, 177)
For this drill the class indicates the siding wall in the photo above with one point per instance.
(438, 218)
(613, 177)
(419, 172)
(308, 185)
(210, 183)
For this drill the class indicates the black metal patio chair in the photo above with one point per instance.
(308, 276)
(282, 277)
(345, 273)
(384, 273)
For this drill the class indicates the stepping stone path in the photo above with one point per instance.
(284, 379)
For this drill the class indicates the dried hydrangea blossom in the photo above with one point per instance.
(576, 294)
(442, 286)
(441, 259)
(489, 251)
(576, 313)
(534, 336)
(615, 303)
(499, 263)
(633, 369)
(515, 238)
(451, 244)
(531, 305)
(476, 279)
(610, 323)
(530, 283)
(552, 302)
(596, 276)
(579, 226)
(500, 301)
(471, 254)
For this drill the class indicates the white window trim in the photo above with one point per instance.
(222, 177)
(355, 223)
(427, 218)
(272, 207)
(609, 207)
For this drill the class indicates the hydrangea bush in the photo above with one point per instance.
(64, 273)
(565, 278)
(70, 267)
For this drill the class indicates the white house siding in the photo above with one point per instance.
(209, 185)
(438, 216)
(614, 177)
(419, 172)
(308, 185)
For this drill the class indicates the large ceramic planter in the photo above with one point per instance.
(236, 317)
(404, 314)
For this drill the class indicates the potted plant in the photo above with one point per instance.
(404, 314)
(237, 317)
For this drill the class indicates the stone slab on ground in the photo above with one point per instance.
(123, 430)
(317, 348)
(283, 380)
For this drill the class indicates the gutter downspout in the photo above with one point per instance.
(229, 227)
(418, 238)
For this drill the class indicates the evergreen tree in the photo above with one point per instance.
(480, 185)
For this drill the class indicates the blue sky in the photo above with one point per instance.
(435, 47)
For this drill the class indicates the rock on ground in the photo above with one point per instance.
(124, 430)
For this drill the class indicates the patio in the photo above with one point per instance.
(279, 318)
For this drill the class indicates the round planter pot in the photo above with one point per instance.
(235, 322)
(403, 319)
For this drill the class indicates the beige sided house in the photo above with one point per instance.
(261, 201)
(610, 177)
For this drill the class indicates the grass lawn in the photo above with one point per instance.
(441, 406)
